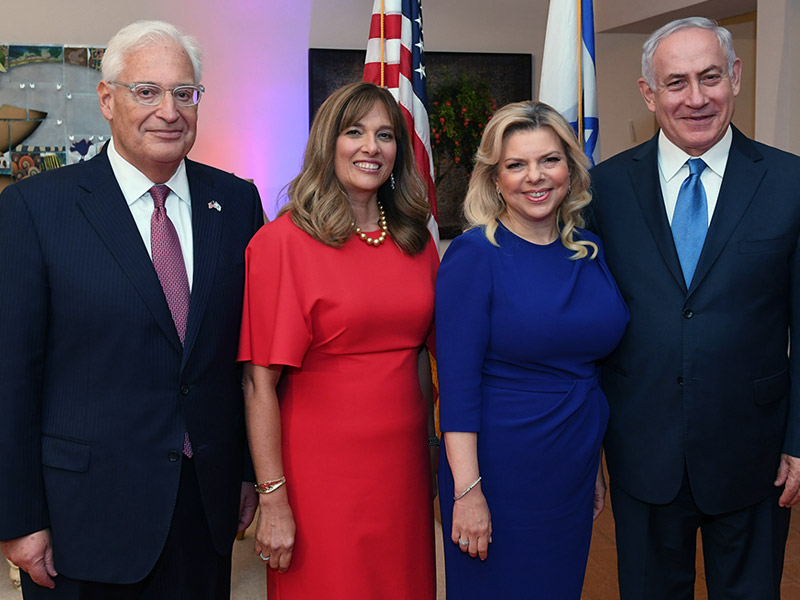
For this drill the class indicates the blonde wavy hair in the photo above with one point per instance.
(318, 203)
(484, 205)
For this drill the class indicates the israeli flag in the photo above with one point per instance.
(568, 81)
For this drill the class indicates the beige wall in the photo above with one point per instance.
(516, 26)
(610, 14)
(743, 29)
(624, 119)
(777, 110)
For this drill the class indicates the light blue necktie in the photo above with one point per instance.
(690, 220)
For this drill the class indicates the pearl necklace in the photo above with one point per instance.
(384, 230)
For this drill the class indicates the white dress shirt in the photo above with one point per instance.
(135, 188)
(672, 170)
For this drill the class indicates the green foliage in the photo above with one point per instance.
(460, 109)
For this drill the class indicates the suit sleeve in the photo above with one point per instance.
(248, 471)
(463, 304)
(792, 439)
(23, 332)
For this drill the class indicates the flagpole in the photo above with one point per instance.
(383, 43)
(580, 73)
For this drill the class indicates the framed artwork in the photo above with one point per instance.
(49, 113)
(452, 76)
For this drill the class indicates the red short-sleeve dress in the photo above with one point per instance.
(348, 324)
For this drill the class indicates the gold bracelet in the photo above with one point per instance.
(464, 493)
(269, 486)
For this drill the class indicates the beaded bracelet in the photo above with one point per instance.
(269, 486)
(464, 493)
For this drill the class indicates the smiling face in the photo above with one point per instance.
(154, 139)
(694, 96)
(365, 154)
(533, 179)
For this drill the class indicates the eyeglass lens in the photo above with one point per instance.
(184, 95)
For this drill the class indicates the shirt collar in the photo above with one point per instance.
(134, 184)
(671, 158)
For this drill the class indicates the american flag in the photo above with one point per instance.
(396, 61)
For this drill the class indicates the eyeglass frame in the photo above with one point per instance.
(199, 88)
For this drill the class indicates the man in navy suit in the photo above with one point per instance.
(704, 430)
(122, 445)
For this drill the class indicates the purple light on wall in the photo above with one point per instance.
(253, 120)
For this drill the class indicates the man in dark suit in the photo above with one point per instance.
(122, 446)
(705, 403)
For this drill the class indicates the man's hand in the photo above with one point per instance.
(247, 505)
(33, 554)
(599, 492)
(789, 475)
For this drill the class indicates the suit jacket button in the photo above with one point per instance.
(173, 455)
(680, 380)
(687, 313)
(184, 390)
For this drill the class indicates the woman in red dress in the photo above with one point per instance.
(338, 310)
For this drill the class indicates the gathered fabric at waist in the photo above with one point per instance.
(539, 383)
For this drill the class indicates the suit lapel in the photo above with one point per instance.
(743, 174)
(206, 228)
(104, 207)
(645, 181)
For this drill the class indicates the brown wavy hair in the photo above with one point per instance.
(318, 203)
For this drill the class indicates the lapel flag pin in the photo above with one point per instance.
(215, 204)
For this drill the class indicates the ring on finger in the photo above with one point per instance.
(463, 543)
(262, 557)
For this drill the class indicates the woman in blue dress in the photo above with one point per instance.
(525, 308)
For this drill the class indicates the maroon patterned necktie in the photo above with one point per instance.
(168, 260)
(170, 268)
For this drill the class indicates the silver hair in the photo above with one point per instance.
(650, 46)
(145, 33)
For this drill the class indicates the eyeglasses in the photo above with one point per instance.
(152, 94)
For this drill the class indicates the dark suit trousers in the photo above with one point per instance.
(656, 548)
(188, 569)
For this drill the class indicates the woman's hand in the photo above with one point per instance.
(472, 524)
(275, 530)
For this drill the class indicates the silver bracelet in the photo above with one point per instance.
(464, 493)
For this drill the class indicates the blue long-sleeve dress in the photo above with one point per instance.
(519, 329)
